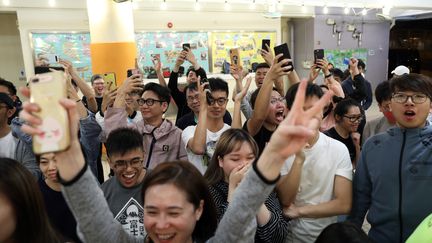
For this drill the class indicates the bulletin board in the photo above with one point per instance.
(340, 58)
(168, 45)
(74, 47)
(249, 44)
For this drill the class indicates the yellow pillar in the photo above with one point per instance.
(112, 35)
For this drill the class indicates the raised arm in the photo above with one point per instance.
(82, 85)
(238, 97)
(157, 65)
(269, 58)
(331, 83)
(197, 144)
(176, 94)
(288, 185)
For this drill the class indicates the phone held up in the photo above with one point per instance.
(110, 81)
(318, 55)
(264, 44)
(235, 57)
(283, 49)
(132, 71)
(186, 46)
(46, 90)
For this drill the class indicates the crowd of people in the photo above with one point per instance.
(307, 165)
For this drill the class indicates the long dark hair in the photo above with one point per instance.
(187, 178)
(21, 189)
(227, 142)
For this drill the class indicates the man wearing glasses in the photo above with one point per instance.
(394, 173)
(162, 139)
(200, 140)
(123, 191)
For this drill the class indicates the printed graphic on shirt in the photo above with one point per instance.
(165, 147)
(131, 218)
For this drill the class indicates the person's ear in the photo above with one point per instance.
(110, 163)
(338, 118)
(164, 106)
(10, 112)
(220, 160)
(199, 210)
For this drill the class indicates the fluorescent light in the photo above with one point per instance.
(197, 6)
(325, 10)
(252, 6)
(227, 6)
(304, 9)
(364, 11)
(163, 5)
(280, 6)
(52, 3)
(6, 2)
(346, 10)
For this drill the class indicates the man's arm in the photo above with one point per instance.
(178, 96)
(238, 98)
(368, 101)
(288, 185)
(157, 65)
(339, 205)
(197, 144)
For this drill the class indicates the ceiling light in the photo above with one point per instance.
(252, 6)
(304, 9)
(364, 11)
(197, 6)
(346, 10)
(280, 6)
(52, 3)
(6, 2)
(227, 6)
(163, 5)
(325, 10)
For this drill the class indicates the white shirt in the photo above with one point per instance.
(8, 146)
(201, 161)
(323, 161)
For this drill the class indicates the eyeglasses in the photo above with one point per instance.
(403, 98)
(192, 98)
(355, 118)
(220, 101)
(122, 164)
(276, 100)
(148, 102)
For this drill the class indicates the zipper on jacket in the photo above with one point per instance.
(400, 189)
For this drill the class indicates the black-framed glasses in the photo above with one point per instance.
(355, 118)
(275, 100)
(192, 98)
(148, 102)
(415, 98)
(220, 101)
(122, 164)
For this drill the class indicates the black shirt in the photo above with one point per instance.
(262, 137)
(98, 101)
(189, 120)
(347, 141)
(59, 213)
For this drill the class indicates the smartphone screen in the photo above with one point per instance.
(40, 69)
(318, 54)
(52, 58)
(46, 90)
(283, 49)
(131, 72)
(186, 46)
(235, 57)
(264, 43)
(110, 81)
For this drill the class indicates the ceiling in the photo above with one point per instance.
(396, 8)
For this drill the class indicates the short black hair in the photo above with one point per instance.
(9, 85)
(254, 96)
(218, 84)
(344, 232)
(383, 92)
(262, 65)
(361, 64)
(162, 92)
(191, 86)
(122, 140)
(311, 90)
(337, 72)
(94, 77)
(343, 106)
(412, 82)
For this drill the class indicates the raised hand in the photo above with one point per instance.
(236, 72)
(353, 66)
(267, 55)
(238, 96)
(133, 83)
(276, 70)
(313, 73)
(108, 99)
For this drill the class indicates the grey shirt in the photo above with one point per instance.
(87, 203)
(126, 205)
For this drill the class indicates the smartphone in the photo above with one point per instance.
(264, 44)
(40, 69)
(283, 49)
(186, 46)
(318, 54)
(52, 58)
(235, 57)
(46, 90)
(133, 71)
(110, 81)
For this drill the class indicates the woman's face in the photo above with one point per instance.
(168, 216)
(351, 120)
(7, 219)
(48, 166)
(241, 154)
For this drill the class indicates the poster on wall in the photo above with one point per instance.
(249, 44)
(340, 58)
(168, 45)
(74, 47)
